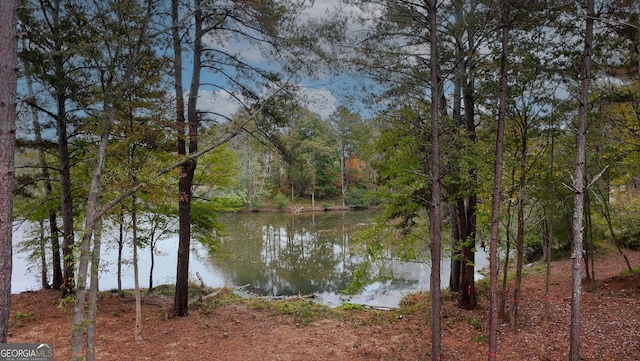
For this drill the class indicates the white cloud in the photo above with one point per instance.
(217, 102)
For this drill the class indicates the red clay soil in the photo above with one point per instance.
(238, 330)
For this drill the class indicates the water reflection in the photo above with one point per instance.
(288, 254)
(275, 254)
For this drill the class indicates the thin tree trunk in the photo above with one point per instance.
(589, 241)
(8, 81)
(579, 189)
(57, 279)
(134, 225)
(513, 318)
(552, 207)
(120, 248)
(436, 192)
(586, 250)
(505, 270)
(607, 216)
(43, 256)
(68, 230)
(152, 250)
(497, 188)
(92, 310)
(454, 279)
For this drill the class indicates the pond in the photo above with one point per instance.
(269, 254)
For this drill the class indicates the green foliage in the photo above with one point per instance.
(356, 198)
(21, 318)
(304, 311)
(359, 279)
(280, 201)
(533, 248)
(351, 307)
(256, 203)
(228, 201)
(631, 241)
(418, 303)
(475, 323)
(204, 225)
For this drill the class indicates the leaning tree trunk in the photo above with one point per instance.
(92, 310)
(606, 212)
(579, 188)
(8, 78)
(497, 188)
(77, 333)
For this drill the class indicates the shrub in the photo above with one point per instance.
(533, 249)
(631, 241)
(356, 198)
(280, 201)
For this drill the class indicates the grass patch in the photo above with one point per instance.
(635, 271)
(475, 323)
(304, 311)
(351, 307)
(416, 303)
(20, 318)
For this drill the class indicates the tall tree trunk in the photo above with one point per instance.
(456, 240)
(60, 94)
(65, 192)
(467, 295)
(436, 191)
(579, 189)
(8, 81)
(548, 245)
(520, 232)
(181, 301)
(497, 187)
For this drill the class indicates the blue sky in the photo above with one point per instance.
(323, 94)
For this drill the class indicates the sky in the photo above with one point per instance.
(322, 95)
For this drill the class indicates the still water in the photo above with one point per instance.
(270, 254)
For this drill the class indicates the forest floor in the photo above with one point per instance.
(225, 327)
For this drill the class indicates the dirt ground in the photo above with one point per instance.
(226, 328)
